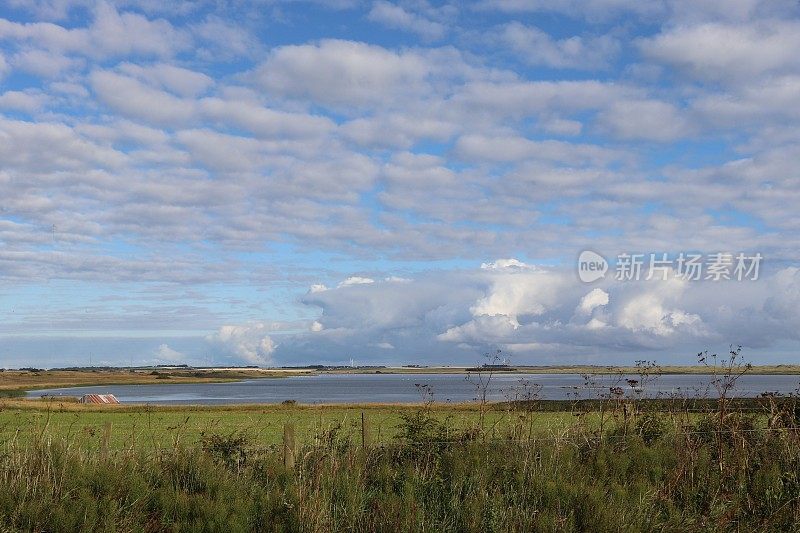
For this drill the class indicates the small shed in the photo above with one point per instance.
(103, 399)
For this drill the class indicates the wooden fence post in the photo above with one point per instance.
(288, 446)
(366, 436)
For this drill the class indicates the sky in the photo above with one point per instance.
(296, 182)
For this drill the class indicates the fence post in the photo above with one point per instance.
(288, 446)
(366, 436)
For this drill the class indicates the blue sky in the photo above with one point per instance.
(296, 182)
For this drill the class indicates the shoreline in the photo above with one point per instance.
(16, 384)
(677, 370)
(53, 404)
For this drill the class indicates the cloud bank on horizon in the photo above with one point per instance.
(293, 182)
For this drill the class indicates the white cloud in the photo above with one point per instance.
(181, 81)
(536, 47)
(21, 101)
(592, 300)
(519, 292)
(725, 52)
(356, 280)
(225, 39)
(649, 310)
(454, 315)
(507, 264)
(342, 73)
(249, 343)
(137, 100)
(167, 355)
(395, 16)
(128, 33)
(58, 148)
(111, 34)
(45, 63)
(514, 148)
(647, 119)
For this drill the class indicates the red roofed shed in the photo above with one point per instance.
(99, 399)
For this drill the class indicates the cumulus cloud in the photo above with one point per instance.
(592, 300)
(540, 314)
(249, 343)
(165, 354)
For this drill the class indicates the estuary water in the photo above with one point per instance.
(407, 388)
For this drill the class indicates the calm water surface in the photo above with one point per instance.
(401, 388)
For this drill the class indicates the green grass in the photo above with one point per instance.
(701, 477)
(163, 426)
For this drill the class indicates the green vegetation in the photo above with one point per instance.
(17, 381)
(645, 471)
(159, 427)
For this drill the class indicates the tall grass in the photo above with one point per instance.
(656, 474)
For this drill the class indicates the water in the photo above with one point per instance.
(400, 388)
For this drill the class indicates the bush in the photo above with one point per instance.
(650, 426)
(231, 450)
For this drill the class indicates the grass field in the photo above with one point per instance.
(164, 426)
(220, 469)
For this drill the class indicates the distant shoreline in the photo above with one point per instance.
(569, 369)
(15, 383)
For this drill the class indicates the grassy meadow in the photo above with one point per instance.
(619, 462)
(455, 468)
(160, 427)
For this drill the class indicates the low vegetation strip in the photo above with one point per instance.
(19, 381)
